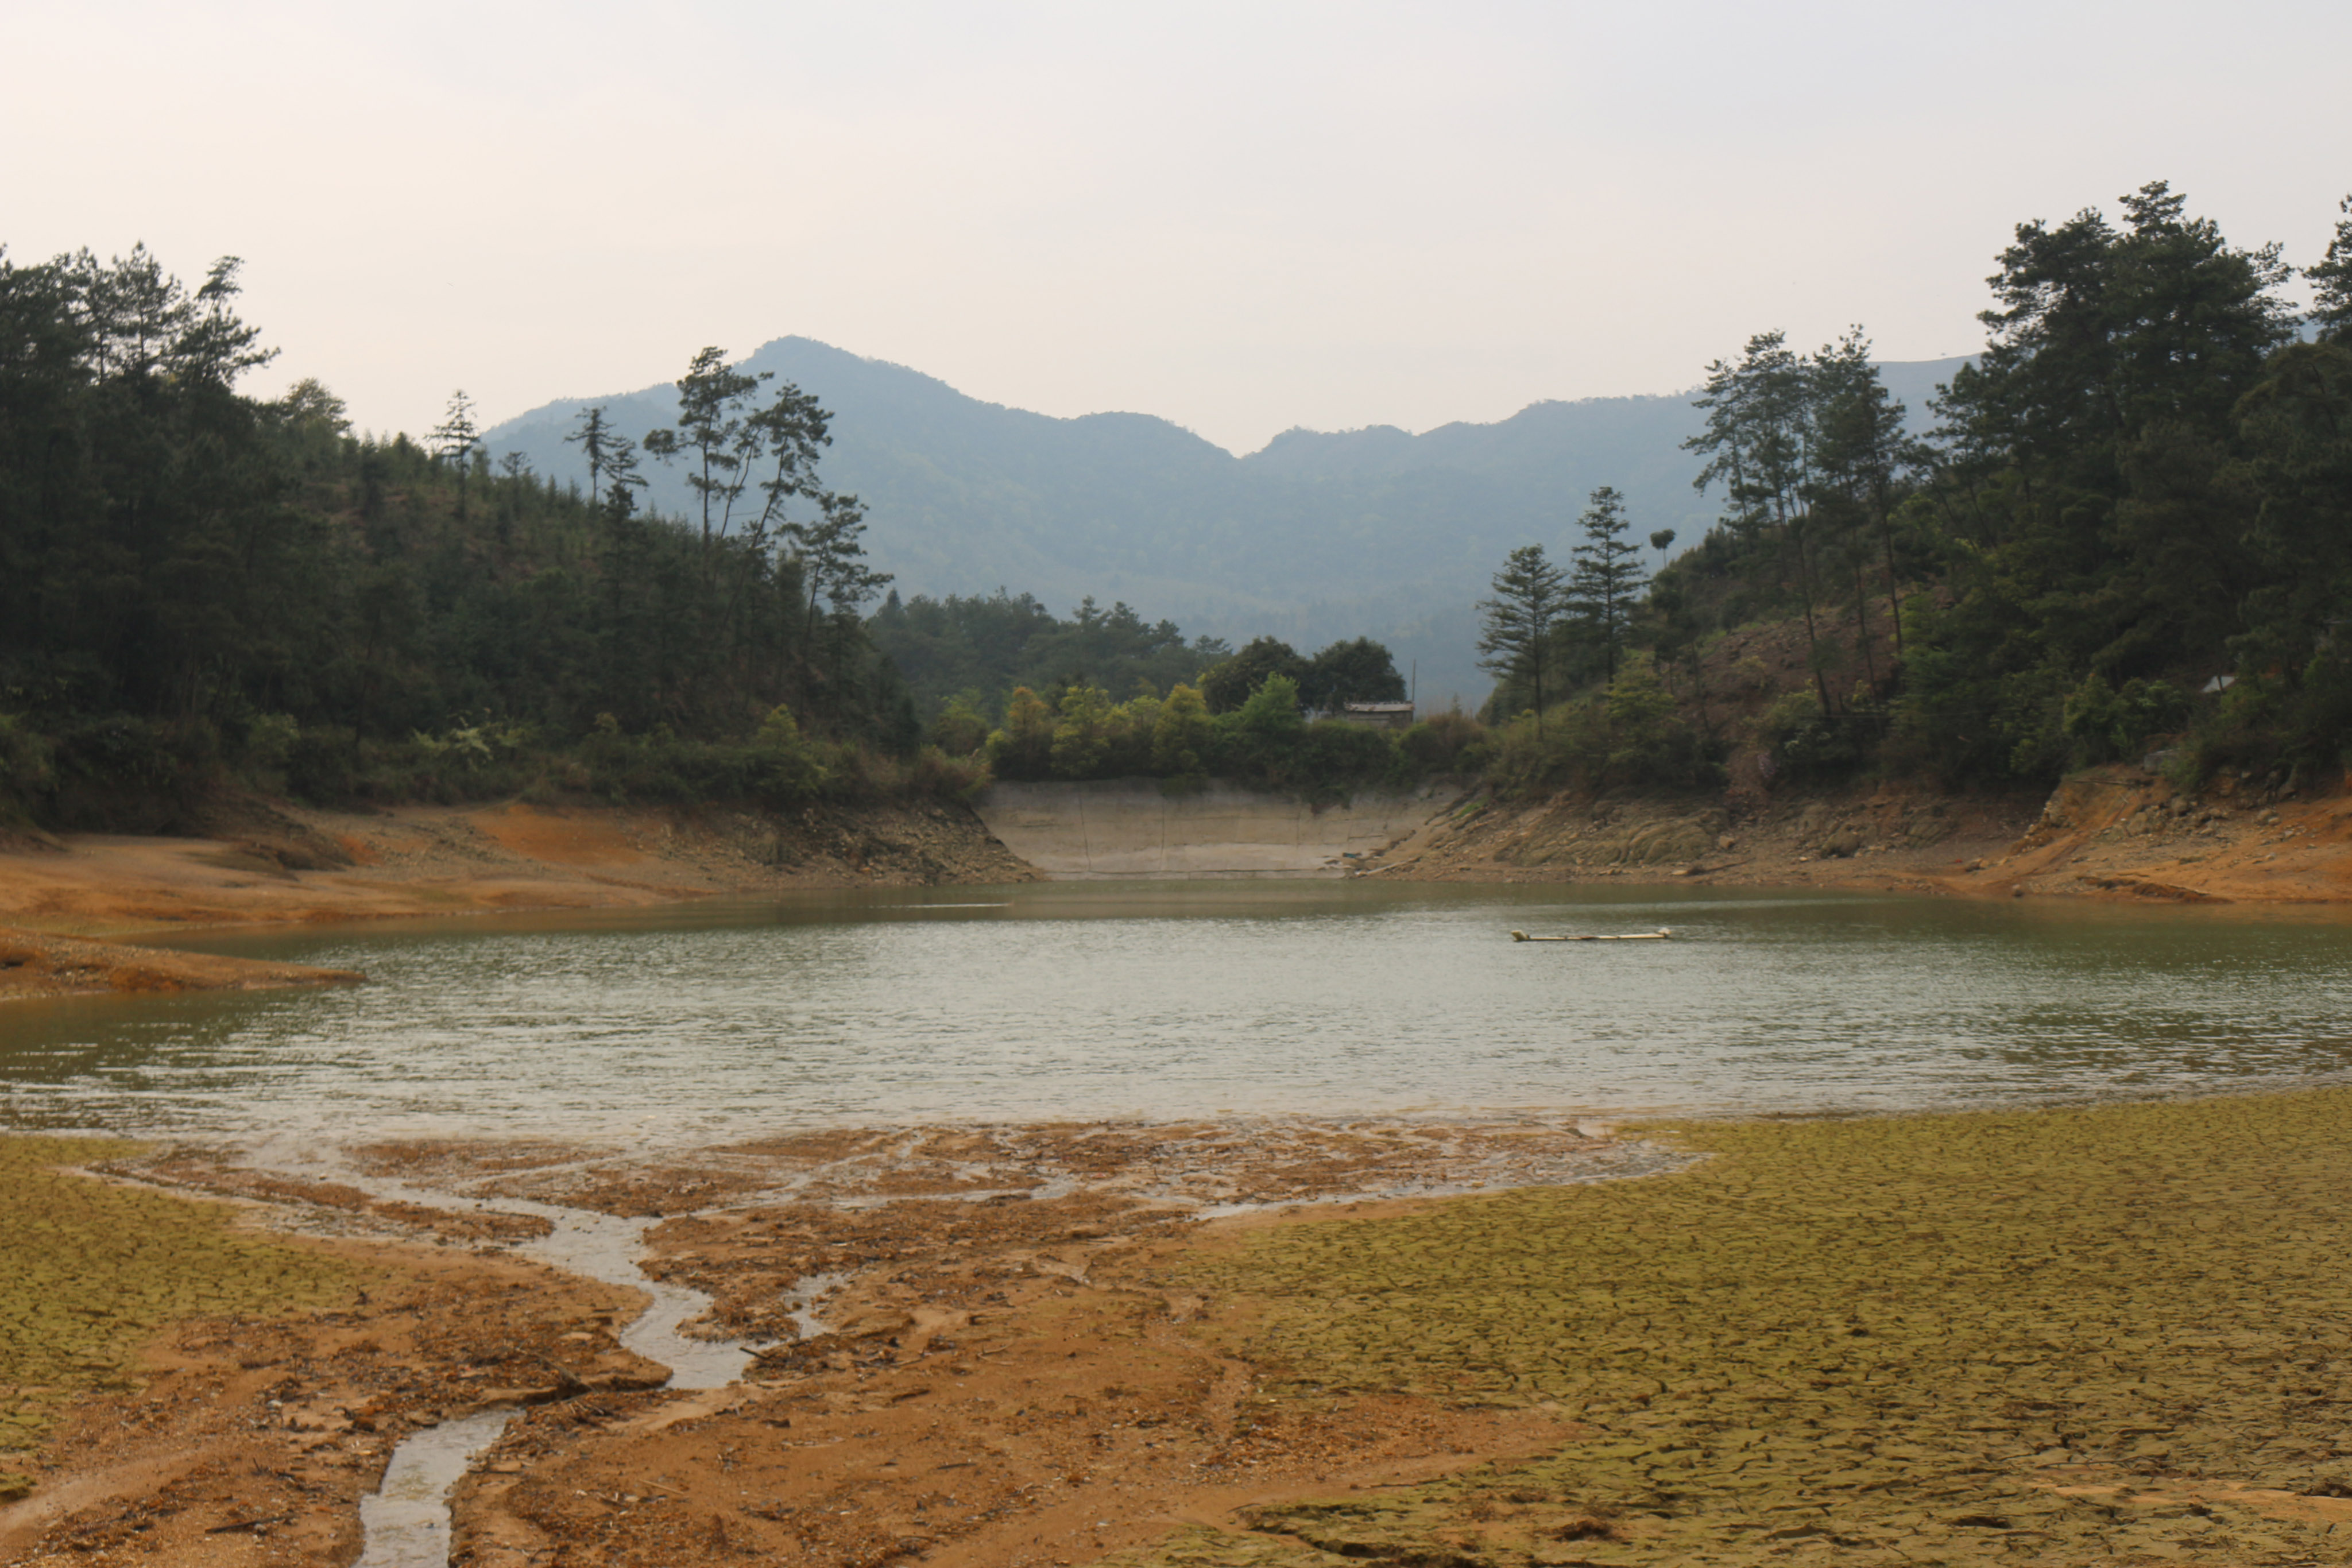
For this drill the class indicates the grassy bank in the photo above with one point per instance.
(90, 1271)
(2118, 1331)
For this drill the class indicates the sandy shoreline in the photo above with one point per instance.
(2117, 834)
(286, 865)
(2114, 834)
(41, 964)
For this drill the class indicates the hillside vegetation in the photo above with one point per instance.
(2128, 533)
(199, 586)
(200, 589)
(2127, 530)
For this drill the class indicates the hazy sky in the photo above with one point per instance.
(1242, 217)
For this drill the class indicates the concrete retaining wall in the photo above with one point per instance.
(1126, 828)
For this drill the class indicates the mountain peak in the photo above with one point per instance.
(1316, 535)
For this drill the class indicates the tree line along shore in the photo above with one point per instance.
(2119, 534)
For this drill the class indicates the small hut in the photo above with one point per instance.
(1380, 715)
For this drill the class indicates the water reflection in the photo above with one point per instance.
(1170, 1000)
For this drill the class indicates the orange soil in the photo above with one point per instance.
(1005, 1381)
(2111, 833)
(252, 1441)
(282, 864)
(36, 964)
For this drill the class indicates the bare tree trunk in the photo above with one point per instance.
(1813, 634)
(1893, 585)
(1861, 625)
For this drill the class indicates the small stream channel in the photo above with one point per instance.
(406, 1524)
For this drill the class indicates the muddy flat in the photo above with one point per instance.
(2058, 1335)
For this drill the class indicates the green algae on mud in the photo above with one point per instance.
(89, 1270)
(1994, 1335)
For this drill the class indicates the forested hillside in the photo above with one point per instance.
(2124, 528)
(195, 583)
(2128, 531)
(200, 590)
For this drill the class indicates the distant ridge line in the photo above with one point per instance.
(1316, 535)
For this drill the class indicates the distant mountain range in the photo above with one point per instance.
(1317, 537)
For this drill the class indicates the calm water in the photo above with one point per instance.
(1172, 999)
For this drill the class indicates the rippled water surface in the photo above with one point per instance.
(1172, 999)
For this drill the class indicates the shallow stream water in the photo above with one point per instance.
(1183, 1000)
(405, 1522)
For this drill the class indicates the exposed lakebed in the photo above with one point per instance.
(1324, 1042)
(1168, 1000)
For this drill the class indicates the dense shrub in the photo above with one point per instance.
(1264, 742)
(1450, 742)
(2107, 724)
(1632, 735)
(125, 771)
(2298, 728)
(960, 730)
(28, 770)
(1024, 748)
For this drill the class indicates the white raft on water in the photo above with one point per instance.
(1660, 934)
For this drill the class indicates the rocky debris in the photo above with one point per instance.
(2127, 833)
(1897, 834)
(926, 844)
(268, 836)
(2118, 831)
(917, 843)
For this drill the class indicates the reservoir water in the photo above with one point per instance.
(1177, 999)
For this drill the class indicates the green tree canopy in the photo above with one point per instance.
(188, 573)
(1354, 670)
(2332, 283)
(1231, 682)
(984, 647)
(1182, 739)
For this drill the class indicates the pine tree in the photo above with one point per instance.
(1861, 451)
(717, 432)
(595, 438)
(1758, 445)
(1517, 627)
(455, 440)
(623, 481)
(792, 428)
(2332, 284)
(1607, 575)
